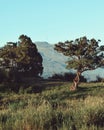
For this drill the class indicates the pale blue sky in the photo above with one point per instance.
(51, 20)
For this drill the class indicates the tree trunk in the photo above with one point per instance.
(75, 81)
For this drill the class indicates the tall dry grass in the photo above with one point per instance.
(54, 109)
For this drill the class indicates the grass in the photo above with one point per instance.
(53, 107)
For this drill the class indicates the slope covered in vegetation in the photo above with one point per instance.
(49, 105)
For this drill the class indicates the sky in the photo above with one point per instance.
(51, 20)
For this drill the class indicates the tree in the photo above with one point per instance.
(28, 56)
(21, 58)
(83, 55)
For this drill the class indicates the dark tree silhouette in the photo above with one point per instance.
(83, 55)
(21, 57)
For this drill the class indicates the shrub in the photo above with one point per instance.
(66, 77)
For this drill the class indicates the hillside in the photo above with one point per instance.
(54, 62)
(52, 107)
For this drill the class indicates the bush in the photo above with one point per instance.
(3, 75)
(99, 79)
(66, 77)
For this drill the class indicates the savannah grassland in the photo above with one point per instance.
(49, 105)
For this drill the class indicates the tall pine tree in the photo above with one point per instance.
(21, 58)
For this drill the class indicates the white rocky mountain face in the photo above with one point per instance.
(54, 62)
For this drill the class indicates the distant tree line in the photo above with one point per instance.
(66, 77)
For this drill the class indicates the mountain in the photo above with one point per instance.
(54, 62)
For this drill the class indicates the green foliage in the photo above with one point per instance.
(21, 57)
(83, 54)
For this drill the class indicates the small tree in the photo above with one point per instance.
(83, 55)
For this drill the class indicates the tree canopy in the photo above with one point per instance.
(22, 56)
(84, 54)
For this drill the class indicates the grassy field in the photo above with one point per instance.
(49, 105)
